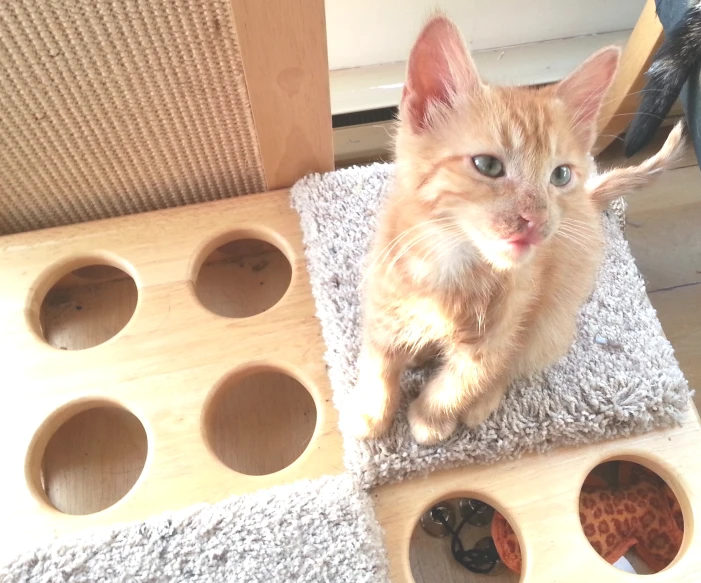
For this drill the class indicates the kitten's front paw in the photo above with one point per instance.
(480, 410)
(367, 424)
(428, 431)
(371, 412)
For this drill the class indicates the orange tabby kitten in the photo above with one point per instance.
(491, 239)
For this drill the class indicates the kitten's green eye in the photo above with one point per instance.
(561, 176)
(489, 166)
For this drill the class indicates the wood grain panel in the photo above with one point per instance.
(283, 46)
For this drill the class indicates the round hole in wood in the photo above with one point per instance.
(93, 459)
(87, 307)
(631, 517)
(243, 278)
(491, 550)
(260, 422)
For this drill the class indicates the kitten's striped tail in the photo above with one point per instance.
(617, 182)
(669, 70)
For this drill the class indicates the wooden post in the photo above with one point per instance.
(283, 47)
(624, 96)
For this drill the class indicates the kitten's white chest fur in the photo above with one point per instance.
(447, 266)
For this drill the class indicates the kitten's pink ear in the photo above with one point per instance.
(584, 89)
(439, 68)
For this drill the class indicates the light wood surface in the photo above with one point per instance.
(283, 46)
(106, 438)
(539, 495)
(243, 278)
(183, 371)
(88, 313)
(261, 423)
(623, 97)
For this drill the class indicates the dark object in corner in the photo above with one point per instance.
(675, 72)
(483, 558)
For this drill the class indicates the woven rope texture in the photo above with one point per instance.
(117, 107)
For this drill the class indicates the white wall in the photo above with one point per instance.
(371, 32)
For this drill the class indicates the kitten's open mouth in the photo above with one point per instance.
(519, 249)
(530, 237)
(520, 245)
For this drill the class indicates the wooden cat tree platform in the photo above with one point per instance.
(172, 356)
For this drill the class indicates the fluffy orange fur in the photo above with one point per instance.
(487, 272)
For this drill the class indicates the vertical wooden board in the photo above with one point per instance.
(283, 45)
(623, 97)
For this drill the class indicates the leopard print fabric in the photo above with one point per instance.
(641, 512)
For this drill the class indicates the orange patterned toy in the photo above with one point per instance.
(641, 512)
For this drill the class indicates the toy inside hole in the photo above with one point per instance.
(629, 514)
(242, 278)
(87, 307)
(631, 517)
(93, 460)
(260, 422)
(453, 542)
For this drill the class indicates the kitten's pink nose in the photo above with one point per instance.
(532, 221)
(530, 226)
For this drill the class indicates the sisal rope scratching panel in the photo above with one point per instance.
(315, 531)
(113, 108)
(630, 384)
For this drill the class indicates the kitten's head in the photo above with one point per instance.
(505, 164)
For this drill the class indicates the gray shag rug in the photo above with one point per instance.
(619, 378)
(320, 531)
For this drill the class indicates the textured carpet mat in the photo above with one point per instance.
(319, 531)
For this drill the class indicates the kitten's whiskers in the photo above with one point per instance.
(385, 253)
